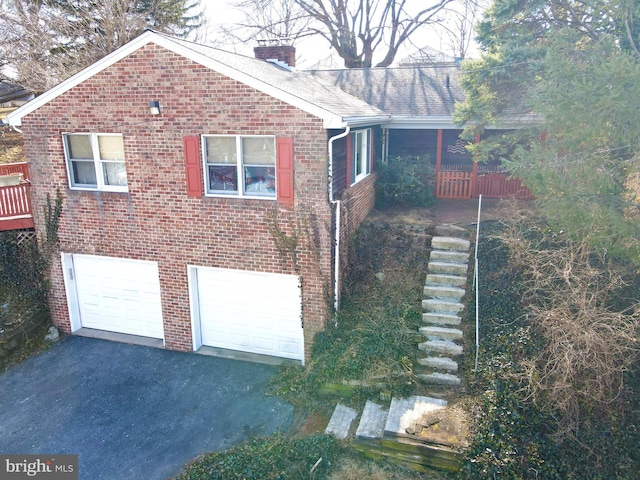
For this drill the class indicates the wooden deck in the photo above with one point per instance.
(15, 204)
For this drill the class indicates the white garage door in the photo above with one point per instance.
(117, 294)
(248, 311)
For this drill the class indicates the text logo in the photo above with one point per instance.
(50, 467)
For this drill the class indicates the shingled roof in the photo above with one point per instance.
(411, 91)
(336, 107)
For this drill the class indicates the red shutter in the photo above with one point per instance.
(193, 166)
(284, 170)
(349, 160)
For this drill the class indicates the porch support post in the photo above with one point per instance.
(438, 161)
(474, 173)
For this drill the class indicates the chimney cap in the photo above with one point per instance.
(275, 42)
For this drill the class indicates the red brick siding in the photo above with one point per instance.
(357, 202)
(156, 220)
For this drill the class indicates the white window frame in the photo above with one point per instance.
(361, 157)
(97, 163)
(239, 166)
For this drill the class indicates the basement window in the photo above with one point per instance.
(95, 161)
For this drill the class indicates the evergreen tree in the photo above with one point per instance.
(566, 73)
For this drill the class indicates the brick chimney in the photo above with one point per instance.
(280, 50)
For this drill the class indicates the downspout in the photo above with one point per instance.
(336, 272)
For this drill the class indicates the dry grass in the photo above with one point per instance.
(588, 346)
(352, 469)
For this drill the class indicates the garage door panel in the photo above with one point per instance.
(250, 311)
(118, 295)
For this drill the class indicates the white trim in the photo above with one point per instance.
(73, 306)
(194, 307)
(97, 163)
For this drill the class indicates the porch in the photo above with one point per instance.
(15, 205)
(458, 176)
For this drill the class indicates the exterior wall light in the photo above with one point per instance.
(154, 107)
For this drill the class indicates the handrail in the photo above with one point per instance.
(476, 286)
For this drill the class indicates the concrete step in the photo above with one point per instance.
(439, 363)
(340, 424)
(447, 280)
(450, 243)
(372, 422)
(449, 230)
(446, 347)
(440, 379)
(449, 256)
(441, 306)
(448, 268)
(441, 333)
(452, 293)
(441, 318)
(404, 412)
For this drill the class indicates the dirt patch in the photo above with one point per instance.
(314, 422)
(456, 212)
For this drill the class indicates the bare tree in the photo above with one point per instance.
(358, 30)
(459, 29)
(268, 20)
(42, 42)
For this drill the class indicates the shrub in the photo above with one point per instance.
(275, 457)
(405, 181)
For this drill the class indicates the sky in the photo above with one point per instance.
(312, 52)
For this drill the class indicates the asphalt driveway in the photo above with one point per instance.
(133, 412)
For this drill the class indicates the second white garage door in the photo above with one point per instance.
(247, 311)
(114, 294)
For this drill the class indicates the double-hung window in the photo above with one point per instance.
(237, 165)
(95, 161)
(360, 155)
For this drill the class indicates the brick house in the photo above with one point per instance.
(207, 196)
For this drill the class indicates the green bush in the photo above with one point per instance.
(405, 181)
(275, 457)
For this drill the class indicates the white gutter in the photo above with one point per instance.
(336, 272)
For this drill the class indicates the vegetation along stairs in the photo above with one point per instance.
(423, 432)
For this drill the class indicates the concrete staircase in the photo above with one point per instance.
(444, 289)
(414, 432)
(422, 432)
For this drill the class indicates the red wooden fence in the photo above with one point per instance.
(15, 206)
(499, 185)
(454, 184)
(9, 168)
(458, 184)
